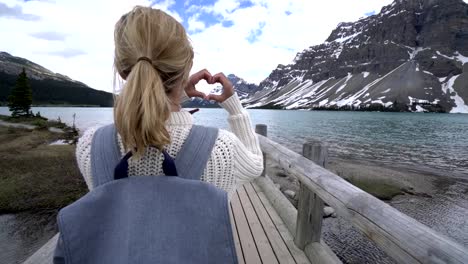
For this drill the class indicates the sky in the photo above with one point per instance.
(248, 38)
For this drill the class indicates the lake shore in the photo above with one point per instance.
(37, 175)
(435, 199)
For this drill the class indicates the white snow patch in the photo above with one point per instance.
(386, 12)
(445, 56)
(386, 91)
(324, 102)
(60, 142)
(419, 109)
(415, 51)
(298, 104)
(343, 39)
(338, 51)
(353, 99)
(418, 101)
(460, 106)
(345, 82)
(398, 13)
(426, 72)
(314, 88)
(461, 58)
(365, 74)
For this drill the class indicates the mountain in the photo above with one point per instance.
(412, 56)
(243, 88)
(48, 88)
(244, 91)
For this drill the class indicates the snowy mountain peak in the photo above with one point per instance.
(413, 51)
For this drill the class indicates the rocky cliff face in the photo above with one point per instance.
(413, 55)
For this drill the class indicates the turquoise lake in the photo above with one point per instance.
(434, 142)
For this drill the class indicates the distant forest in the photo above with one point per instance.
(54, 92)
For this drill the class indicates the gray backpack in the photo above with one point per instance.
(148, 219)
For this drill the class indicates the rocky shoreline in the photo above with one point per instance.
(436, 200)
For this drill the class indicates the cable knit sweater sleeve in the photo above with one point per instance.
(247, 153)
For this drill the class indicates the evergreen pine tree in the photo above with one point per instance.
(20, 99)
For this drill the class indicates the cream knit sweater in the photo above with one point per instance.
(236, 157)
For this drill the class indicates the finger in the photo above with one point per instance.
(215, 97)
(201, 75)
(198, 94)
(222, 79)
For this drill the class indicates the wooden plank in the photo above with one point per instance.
(297, 254)
(263, 244)
(247, 243)
(262, 130)
(235, 234)
(309, 218)
(318, 253)
(45, 254)
(282, 205)
(279, 247)
(400, 236)
(287, 213)
(310, 206)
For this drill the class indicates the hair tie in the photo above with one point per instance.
(145, 59)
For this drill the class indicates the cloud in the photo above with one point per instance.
(195, 25)
(219, 31)
(49, 35)
(16, 12)
(67, 53)
(254, 34)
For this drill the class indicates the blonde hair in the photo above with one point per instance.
(143, 106)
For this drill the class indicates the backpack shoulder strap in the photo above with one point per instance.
(196, 150)
(105, 155)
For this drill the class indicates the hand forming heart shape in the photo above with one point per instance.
(228, 89)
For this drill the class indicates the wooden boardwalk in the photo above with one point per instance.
(259, 233)
(268, 229)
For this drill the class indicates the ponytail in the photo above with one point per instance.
(141, 110)
(154, 56)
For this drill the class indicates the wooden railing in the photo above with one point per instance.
(400, 236)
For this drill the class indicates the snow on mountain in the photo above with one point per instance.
(412, 56)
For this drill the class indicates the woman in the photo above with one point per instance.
(154, 57)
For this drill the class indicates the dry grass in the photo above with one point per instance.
(35, 175)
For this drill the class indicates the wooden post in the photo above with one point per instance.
(262, 130)
(310, 206)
